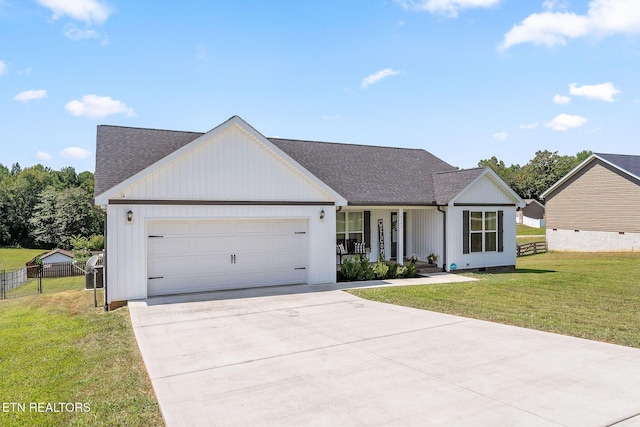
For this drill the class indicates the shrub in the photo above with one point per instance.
(401, 270)
(357, 268)
(380, 270)
(96, 242)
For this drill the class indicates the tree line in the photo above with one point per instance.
(539, 174)
(45, 208)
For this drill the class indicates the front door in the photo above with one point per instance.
(394, 234)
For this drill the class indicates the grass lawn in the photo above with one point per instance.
(588, 295)
(525, 230)
(56, 347)
(17, 257)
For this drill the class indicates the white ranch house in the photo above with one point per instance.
(230, 208)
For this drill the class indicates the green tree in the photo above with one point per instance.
(23, 194)
(63, 215)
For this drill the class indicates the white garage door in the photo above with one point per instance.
(195, 256)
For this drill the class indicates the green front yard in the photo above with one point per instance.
(588, 295)
(64, 362)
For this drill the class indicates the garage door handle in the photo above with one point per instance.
(156, 277)
(300, 268)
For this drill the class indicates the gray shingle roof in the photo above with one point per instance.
(365, 174)
(448, 184)
(121, 152)
(362, 174)
(629, 163)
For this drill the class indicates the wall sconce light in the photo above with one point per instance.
(321, 214)
(129, 216)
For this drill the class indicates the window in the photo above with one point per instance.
(349, 229)
(482, 231)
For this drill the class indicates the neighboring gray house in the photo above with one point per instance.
(230, 208)
(532, 214)
(596, 206)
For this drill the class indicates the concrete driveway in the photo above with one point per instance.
(298, 356)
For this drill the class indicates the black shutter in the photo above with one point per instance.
(500, 232)
(465, 232)
(367, 229)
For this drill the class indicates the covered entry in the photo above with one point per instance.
(205, 255)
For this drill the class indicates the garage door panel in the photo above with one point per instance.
(168, 246)
(251, 243)
(289, 242)
(219, 228)
(213, 244)
(202, 255)
(174, 228)
(170, 285)
(169, 265)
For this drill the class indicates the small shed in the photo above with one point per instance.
(55, 263)
(52, 257)
(532, 214)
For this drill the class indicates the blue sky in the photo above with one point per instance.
(463, 79)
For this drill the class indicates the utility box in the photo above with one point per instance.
(97, 272)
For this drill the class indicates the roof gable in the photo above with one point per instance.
(230, 162)
(483, 186)
(627, 164)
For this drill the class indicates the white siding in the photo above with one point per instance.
(486, 190)
(127, 242)
(427, 236)
(231, 165)
(483, 259)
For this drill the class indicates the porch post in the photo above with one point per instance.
(400, 250)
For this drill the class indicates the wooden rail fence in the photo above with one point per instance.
(531, 248)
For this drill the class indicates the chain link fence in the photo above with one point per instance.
(20, 281)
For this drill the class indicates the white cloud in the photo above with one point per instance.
(376, 77)
(529, 126)
(45, 157)
(446, 7)
(551, 5)
(95, 106)
(551, 28)
(565, 122)
(3, 67)
(559, 99)
(500, 136)
(30, 95)
(75, 153)
(602, 91)
(88, 11)
(75, 34)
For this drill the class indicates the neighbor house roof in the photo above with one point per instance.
(362, 174)
(626, 163)
(48, 254)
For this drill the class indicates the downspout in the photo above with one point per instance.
(104, 264)
(444, 237)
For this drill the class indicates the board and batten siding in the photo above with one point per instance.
(231, 165)
(427, 234)
(127, 242)
(597, 198)
(475, 198)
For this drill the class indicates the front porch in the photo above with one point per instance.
(390, 233)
